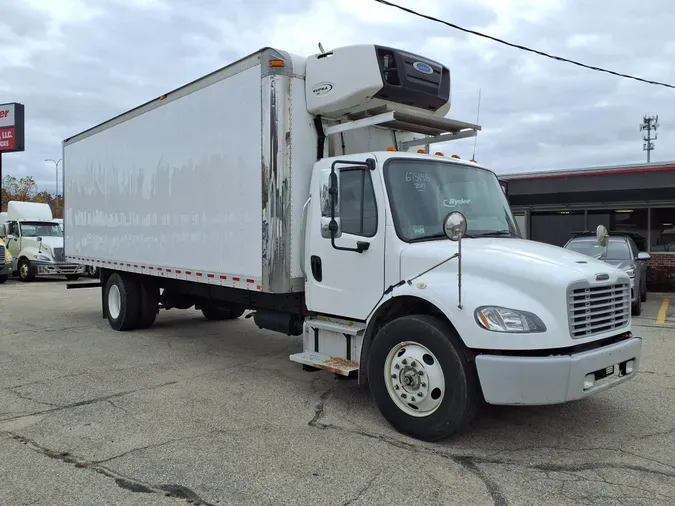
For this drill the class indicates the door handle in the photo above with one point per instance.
(315, 263)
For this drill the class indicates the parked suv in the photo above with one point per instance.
(622, 252)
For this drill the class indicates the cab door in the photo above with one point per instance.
(345, 272)
(13, 239)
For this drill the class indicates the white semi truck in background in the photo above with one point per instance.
(295, 188)
(35, 241)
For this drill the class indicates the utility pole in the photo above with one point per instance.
(649, 124)
(56, 175)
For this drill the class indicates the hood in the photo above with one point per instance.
(508, 260)
(51, 242)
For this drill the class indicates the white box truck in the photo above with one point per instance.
(294, 188)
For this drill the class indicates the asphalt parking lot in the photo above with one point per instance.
(214, 413)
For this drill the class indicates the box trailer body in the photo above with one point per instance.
(158, 191)
(303, 189)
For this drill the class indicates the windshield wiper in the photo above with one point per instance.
(496, 233)
(439, 235)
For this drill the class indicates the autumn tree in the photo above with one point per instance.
(25, 190)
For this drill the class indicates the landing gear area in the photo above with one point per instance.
(132, 302)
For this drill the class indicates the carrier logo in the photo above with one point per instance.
(601, 277)
(322, 89)
(425, 68)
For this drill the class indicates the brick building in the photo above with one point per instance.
(639, 198)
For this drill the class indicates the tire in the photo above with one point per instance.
(149, 295)
(26, 270)
(643, 295)
(3, 279)
(636, 309)
(123, 292)
(72, 277)
(435, 344)
(218, 313)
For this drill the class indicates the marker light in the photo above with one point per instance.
(277, 63)
(391, 148)
(438, 153)
(422, 151)
(456, 156)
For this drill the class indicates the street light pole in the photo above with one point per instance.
(56, 176)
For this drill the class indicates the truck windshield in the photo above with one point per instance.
(422, 193)
(40, 229)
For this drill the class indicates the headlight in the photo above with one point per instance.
(44, 258)
(630, 272)
(502, 319)
(8, 257)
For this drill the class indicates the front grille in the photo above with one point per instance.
(598, 309)
(2, 255)
(58, 254)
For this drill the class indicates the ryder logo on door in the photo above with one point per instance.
(11, 127)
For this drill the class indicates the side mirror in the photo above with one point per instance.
(602, 235)
(643, 255)
(505, 186)
(326, 227)
(454, 226)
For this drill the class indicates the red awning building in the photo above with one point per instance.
(638, 198)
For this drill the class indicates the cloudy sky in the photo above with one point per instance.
(75, 63)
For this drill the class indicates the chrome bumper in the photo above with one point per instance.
(509, 380)
(46, 268)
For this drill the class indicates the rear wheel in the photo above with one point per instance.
(422, 378)
(121, 301)
(218, 313)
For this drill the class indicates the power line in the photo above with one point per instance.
(518, 46)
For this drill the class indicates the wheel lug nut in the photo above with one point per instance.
(394, 376)
(404, 362)
(424, 384)
(421, 373)
(404, 396)
(413, 363)
(397, 366)
(420, 394)
(396, 387)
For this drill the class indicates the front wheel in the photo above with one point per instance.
(26, 271)
(422, 378)
(636, 310)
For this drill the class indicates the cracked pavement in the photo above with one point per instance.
(214, 413)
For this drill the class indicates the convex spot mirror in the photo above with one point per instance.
(602, 235)
(454, 226)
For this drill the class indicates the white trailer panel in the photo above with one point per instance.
(197, 184)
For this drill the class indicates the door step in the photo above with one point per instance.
(337, 365)
(349, 328)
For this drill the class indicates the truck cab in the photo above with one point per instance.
(35, 241)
